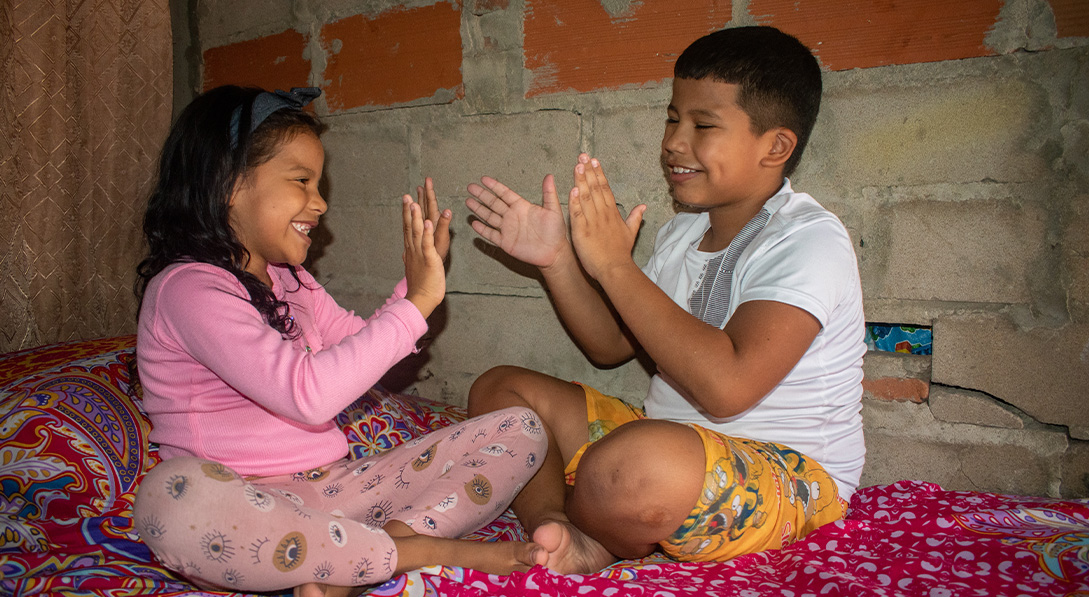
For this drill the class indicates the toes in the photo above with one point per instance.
(549, 536)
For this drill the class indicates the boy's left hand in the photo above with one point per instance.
(603, 239)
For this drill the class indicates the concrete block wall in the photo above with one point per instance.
(952, 142)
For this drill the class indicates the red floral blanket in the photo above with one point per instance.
(73, 448)
(911, 538)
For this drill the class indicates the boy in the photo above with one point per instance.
(750, 306)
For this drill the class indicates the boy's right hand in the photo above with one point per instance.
(424, 270)
(535, 234)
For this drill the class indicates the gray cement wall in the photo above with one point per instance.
(962, 182)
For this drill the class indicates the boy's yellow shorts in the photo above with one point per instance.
(756, 495)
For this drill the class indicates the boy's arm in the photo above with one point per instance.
(537, 235)
(725, 371)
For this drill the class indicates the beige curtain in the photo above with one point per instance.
(85, 104)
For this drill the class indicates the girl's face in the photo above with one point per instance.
(276, 206)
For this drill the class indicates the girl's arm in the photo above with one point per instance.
(201, 311)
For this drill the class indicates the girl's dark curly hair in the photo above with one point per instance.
(187, 218)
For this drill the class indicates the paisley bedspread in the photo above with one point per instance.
(73, 446)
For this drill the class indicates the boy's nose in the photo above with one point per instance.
(318, 204)
(672, 141)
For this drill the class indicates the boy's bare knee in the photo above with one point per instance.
(491, 391)
(639, 482)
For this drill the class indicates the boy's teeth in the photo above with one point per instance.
(682, 170)
(302, 228)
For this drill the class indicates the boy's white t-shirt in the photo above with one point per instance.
(803, 257)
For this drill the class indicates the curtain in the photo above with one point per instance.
(85, 104)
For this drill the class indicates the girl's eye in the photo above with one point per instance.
(303, 180)
(671, 120)
(704, 126)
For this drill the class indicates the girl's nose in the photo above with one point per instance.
(318, 204)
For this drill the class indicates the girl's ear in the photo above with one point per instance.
(782, 147)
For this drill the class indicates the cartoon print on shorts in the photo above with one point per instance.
(359, 470)
(801, 483)
(290, 552)
(312, 475)
(425, 459)
(729, 504)
(255, 549)
(479, 490)
(217, 471)
(332, 490)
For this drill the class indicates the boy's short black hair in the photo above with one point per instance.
(779, 80)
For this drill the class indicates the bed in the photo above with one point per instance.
(73, 447)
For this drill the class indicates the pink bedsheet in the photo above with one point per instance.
(911, 538)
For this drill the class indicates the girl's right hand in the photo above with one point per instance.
(424, 270)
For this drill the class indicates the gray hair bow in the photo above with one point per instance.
(266, 103)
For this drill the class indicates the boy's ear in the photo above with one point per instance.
(782, 147)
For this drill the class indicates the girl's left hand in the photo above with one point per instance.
(424, 269)
(430, 204)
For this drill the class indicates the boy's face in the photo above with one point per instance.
(710, 154)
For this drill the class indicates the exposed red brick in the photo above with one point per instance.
(1071, 17)
(580, 46)
(397, 56)
(846, 34)
(271, 62)
(897, 388)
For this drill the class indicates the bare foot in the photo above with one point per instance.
(570, 551)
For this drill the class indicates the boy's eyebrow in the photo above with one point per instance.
(696, 112)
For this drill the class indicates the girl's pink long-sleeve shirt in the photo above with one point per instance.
(219, 383)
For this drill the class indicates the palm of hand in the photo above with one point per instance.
(533, 234)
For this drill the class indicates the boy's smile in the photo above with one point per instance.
(712, 157)
(276, 207)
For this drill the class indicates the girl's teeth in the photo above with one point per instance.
(301, 228)
(682, 170)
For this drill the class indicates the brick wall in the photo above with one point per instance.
(952, 142)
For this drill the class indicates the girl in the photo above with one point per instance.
(245, 360)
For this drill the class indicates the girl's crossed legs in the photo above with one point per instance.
(326, 524)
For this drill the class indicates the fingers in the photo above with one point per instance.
(428, 200)
(406, 220)
(635, 218)
(419, 233)
(550, 198)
